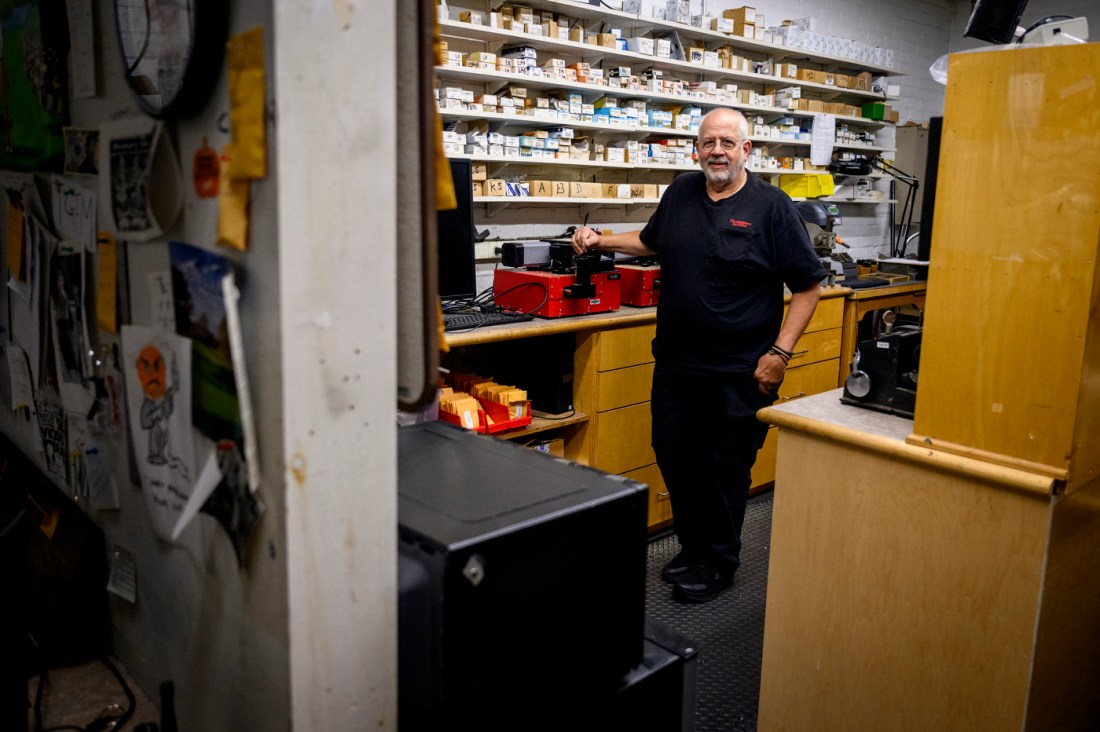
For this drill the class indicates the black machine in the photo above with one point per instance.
(884, 372)
(504, 621)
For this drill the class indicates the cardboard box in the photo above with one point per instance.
(874, 110)
(478, 171)
(554, 446)
(542, 188)
(721, 25)
(787, 70)
(743, 14)
(494, 187)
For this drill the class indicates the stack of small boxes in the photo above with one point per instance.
(480, 404)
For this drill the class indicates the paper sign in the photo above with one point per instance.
(160, 297)
(123, 578)
(74, 212)
(22, 393)
(823, 139)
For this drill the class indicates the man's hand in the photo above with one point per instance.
(585, 239)
(769, 372)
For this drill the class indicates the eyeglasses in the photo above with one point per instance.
(728, 145)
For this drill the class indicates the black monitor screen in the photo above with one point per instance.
(928, 197)
(995, 20)
(456, 238)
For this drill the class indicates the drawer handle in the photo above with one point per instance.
(663, 495)
(803, 352)
(796, 396)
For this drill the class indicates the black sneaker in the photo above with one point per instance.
(702, 583)
(678, 568)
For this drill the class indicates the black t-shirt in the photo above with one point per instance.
(723, 267)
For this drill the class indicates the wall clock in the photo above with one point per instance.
(171, 52)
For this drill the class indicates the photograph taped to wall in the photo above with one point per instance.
(67, 317)
(81, 151)
(201, 314)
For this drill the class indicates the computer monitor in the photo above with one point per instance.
(995, 20)
(457, 261)
(928, 193)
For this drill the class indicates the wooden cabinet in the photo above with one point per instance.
(612, 378)
(812, 370)
(613, 373)
(940, 573)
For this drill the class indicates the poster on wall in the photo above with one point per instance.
(141, 188)
(202, 314)
(34, 43)
(177, 472)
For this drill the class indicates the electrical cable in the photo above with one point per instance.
(99, 723)
(1042, 21)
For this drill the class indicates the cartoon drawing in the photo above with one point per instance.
(158, 403)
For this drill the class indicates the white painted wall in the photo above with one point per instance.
(304, 635)
(916, 30)
(336, 147)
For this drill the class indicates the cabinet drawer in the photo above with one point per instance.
(829, 314)
(623, 439)
(616, 349)
(660, 508)
(813, 378)
(623, 387)
(820, 345)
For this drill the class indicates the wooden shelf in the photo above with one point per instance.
(543, 424)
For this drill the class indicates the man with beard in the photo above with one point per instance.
(728, 243)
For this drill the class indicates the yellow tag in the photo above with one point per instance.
(107, 295)
(234, 197)
(248, 157)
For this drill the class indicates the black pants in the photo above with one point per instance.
(705, 436)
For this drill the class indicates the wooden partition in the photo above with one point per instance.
(1010, 361)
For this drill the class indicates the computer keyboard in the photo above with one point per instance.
(468, 321)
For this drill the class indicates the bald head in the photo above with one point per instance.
(724, 117)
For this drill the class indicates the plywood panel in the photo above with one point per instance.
(899, 598)
(1065, 686)
(1014, 257)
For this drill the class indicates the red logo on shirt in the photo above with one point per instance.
(740, 224)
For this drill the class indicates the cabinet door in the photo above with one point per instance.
(622, 439)
(660, 508)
